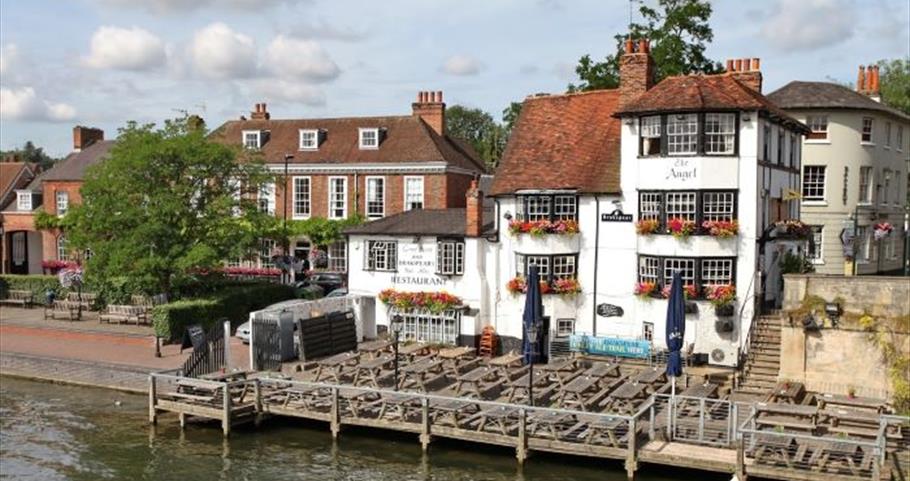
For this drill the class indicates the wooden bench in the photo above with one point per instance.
(22, 298)
(124, 314)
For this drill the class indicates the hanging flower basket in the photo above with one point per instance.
(543, 227)
(792, 228)
(645, 290)
(680, 228)
(721, 228)
(882, 230)
(434, 302)
(647, 226)
(724, 310)
(722, 297)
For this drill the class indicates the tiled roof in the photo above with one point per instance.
(698, 93)
(406, 139)
(74, 165)
(10, 172)
(566, 141)
(429, 222)
(824, 95)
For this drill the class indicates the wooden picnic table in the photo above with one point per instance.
(789, 416)
(411, 350)
(573, 393)
(419, 373)
(520, 385)
(400, 406)
(598, 426)
(601, 369)
(500, 417)
(788, 392)
(374, 348)
(336, 364)
(877, 405)
(836, 454)
(454, 358)
(625, 397)
(776, 448)
(652, 375)
(506, 360)
(370, 370)
(547, 423)
(469, 383)
(705, 390)
(452, 411)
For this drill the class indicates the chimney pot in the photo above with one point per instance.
(756, 63)
(629, 45)
(439, 96)
(738, 65)
(430, 108)
(86, 136)
(747, 64)
(861, 79)
(642, 45)
(729, 65)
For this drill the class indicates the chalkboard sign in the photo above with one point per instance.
(194, 337)
(609, 310)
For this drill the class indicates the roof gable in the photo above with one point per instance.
(73, 167)
(826, 95)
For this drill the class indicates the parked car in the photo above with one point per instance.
(340, 292)
(328, 281)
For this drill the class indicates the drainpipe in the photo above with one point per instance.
(596, 252)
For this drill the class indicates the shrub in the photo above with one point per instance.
(38, 284)
(234, 303)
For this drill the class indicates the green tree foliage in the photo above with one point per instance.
(478, 129)
(167, 203)
(30, 153)
(321, 231)
(895, 83)
(510, 116)
(679, 33)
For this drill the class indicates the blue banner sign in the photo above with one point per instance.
(610, 346)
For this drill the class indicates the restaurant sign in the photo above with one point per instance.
(417, 266)
(610, 346)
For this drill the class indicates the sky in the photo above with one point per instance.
(103, 63)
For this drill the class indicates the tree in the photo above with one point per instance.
(30, 153)
(166, 204)
(510, 116)
(679, 32)
(480, 130)
(895, 83)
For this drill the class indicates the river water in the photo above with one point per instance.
(54, 432)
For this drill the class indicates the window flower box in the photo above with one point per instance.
(721, 228)
(792, 228)
(647, 226)
(680, 228)
(882, 230)
(543, 227)
(689, 291)
(644, 290)
(519, 285)
(434, 302)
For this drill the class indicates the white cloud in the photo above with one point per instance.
(809, 24)
(290, 91)
(126, 49)
(182, 6)
(461, 65)
(325, 31)
(24, 104)
(294, 58)
(9, 53)
(219, 52)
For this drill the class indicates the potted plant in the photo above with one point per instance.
(647, 226)
(792, 228)
(644, 290)
(721, 297)
(721, 228)
(680, 228)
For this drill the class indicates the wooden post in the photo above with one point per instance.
(876, 464)
(335, 423)
(257, 391)
(182, 418)
(701, 419)
(521, 449)
(651, 416)
(631, 461)
(740, 461)
(425, 431)
(153, 414)
(226, 419)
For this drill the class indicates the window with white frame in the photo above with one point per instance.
(814, 182)
(564, 267)
(267, 197)
(301, 197)
(814, 251)
(375, 197)
(865, 185)
(252, 139)
(24, 200)
(649, 205)
(649, 269)
(564, 207)
(61, 248)
(818, 124)
(686, 268)
(867, 129)
(720, 133)
(682, 134)
(369, 138)
(63, 201)
(338, 256)
(565, 327)
(523, 262)
(450, 257)
(886, 186)
(382, 256)
(681, 205)
(338, 197)
(309, 139)
(534, 207)
(888, 134)
(650, 135)
(647, 331)
(549, 267)
(266, 248)
(413, 192)
(718, 206)
(716, 272)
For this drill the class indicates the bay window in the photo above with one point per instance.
(549, 267)
(696, 206)
(718, 206)
(650, 135)
(682, 134)
(720, 133)
(539, 207)
(713, 133)
(681, 205)
(695, 271)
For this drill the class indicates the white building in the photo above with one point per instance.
(856, 162)
(690, 149)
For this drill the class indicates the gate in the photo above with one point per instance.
(694, 420)
(265, 345)
(326, 335)
(208, 357)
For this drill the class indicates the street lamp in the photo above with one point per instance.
(396, 325)
(287, 237)
(531, 332)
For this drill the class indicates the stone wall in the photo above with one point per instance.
(879, 295)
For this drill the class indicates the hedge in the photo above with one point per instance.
(234, 303)
(38, 284)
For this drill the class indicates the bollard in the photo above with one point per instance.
(521, 449)
(226, 415)
(425, 430)
(153, 414)
(631, 461)
(740, 461)
(335, 423)
(257, 392)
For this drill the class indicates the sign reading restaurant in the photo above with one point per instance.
(417, 266)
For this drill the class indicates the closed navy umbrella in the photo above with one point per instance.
(533, 315)
(676, 328)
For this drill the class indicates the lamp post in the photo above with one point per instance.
(531, 332)
(396, 324)
(287, 237)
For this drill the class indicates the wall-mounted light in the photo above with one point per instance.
(747, 118)
(630, 122)
(507, 215)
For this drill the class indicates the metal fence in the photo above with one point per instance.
(207, 357)
(693, 420)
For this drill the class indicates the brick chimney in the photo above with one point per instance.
(85, 136)
(636, 71)
(868, 82)
(260, 113)
(474, 211)
(747, 71)
(430, 107)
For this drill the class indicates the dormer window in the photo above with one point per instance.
(309, 139)
(252, 139)
(24, 200)
(369, 138)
